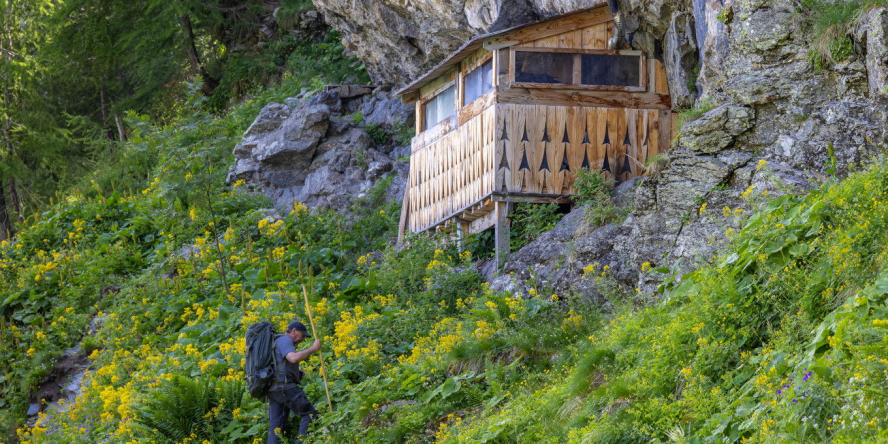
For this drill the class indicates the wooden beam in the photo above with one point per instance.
(462, 232)
(573, 97)
(613, 52)
(478, 106)
(420, 117)
(434, 133)
(664, 121)
(501, 234)
(532, 198)
(577, 87)
(405, 208)
(482, 223)
(549, 28)
(410, 97)
(502, 67)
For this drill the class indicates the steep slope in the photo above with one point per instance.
(780, 339)
(800, 85)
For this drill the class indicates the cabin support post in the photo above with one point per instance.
(501, 233)
(462, 231)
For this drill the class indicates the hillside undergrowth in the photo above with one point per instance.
(781, 338)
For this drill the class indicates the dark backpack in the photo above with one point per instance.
(260, 364)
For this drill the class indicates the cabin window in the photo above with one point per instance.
(588, 69)
(610, 70)
(544, 67)
(439, 107)
(478, 82)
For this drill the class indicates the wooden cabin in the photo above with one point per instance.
(513, 115)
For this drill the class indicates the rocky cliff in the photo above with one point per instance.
(747, 63)
(317, 150)
(400, 39)
(773, 122)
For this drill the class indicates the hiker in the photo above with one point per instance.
(286, 394)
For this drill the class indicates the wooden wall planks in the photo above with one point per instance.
(553, 158)
(452, 172)
(590, 37)
(512, 148)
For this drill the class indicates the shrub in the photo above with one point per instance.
(530, 220)
(181, 408)
(594, 192)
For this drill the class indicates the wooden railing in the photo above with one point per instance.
(451, 173)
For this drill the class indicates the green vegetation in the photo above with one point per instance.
(74, 70)
(781, 338)
(689, 115)
(594, 191)
(832, 24)
(531, 220)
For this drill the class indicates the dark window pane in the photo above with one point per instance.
(439, 108)
(544, 67)
(478, 82)
(611, 70)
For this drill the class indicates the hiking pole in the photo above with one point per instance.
(320, 353)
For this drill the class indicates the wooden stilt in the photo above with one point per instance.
(462, 230)
(501, 233)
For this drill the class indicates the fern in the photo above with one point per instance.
(182, 407)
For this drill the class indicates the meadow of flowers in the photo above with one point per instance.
(781, 338)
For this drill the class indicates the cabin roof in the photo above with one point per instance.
(477, 42)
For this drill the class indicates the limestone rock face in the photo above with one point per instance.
(747, 60)
(717, 129)
(400, 39)
(307, 151)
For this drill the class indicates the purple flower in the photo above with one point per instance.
(795, 400)
(779, 391)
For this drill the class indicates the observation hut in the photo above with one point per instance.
(513, 115)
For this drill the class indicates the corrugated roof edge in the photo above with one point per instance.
(475, 43)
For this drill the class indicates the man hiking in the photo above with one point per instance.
(286, 394)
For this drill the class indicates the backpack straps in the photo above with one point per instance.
(280, 368)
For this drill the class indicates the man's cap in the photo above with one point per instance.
(298, 326)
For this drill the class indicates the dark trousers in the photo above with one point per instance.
(281, 401)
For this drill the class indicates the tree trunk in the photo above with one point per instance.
(120, 131)
(104, 107)
(5, 225)
(209, 83)
(190, 46)
(16, 202)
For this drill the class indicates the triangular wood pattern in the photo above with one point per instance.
(556, 121)
(516, 112)
(576, 121)
(536, 123)
(602, 126)
(630, 149)
(485, 154)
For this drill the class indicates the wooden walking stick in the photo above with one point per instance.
(320, 353)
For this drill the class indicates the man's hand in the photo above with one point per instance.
(300, 356)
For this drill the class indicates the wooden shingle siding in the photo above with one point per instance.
(452, 173)
(546, 161)
(526, 142)
(525, 149)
